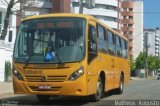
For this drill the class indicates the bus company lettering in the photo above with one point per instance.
(35, 72)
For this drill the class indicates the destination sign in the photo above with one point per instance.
(55, 25)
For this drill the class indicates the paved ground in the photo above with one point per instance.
(6, 89)
(135, 90)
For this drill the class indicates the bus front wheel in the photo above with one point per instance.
(99, 93)
(43, 98)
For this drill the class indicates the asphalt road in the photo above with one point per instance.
(134, 91)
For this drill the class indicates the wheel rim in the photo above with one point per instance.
(99, 89)
(121, 85)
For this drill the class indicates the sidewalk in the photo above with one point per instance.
(6, 88)
(138, 78)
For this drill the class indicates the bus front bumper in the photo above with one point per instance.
(70, 88)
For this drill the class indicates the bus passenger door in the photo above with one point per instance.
(92, 72)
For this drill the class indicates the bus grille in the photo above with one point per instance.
(45, 78)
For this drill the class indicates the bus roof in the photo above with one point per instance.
(57, 15)
(89, 17)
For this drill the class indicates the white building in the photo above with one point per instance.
(12, 23)
(138, 28)
(153, 41)
(36, 7)
(105, 10)
(6, 46)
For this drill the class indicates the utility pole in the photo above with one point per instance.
(146, 61)
(80, 6)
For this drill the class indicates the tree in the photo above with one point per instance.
(6, 20)
(140, 60)
(153, 63)
(132, 64)
(24, 4)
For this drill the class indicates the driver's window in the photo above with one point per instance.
(92, 43)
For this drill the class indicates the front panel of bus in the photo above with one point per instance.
(49, 57)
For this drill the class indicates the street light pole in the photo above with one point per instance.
(80, 6)
(146, 61)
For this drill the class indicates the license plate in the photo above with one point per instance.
(44, 87)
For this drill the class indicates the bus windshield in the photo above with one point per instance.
(50, 40)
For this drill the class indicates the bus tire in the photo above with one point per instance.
(121, 85)
(43, 98)
(99, 93)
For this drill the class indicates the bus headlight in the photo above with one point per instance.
(77, 74)
(18, 75)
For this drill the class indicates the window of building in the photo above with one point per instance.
(130, 25)
(75, 4)
(100, 6)
(130, 9)
(130, 17)
(109, 7)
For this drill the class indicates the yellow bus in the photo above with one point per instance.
(69, 54)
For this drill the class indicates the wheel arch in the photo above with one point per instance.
(102, 75)
(123, 76)
(122, 73)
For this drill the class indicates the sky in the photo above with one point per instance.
(151, 13)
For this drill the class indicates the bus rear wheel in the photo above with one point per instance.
(99, 93)
(121, 85)
(43, 98)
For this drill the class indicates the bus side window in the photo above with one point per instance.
(123, 48)
(118, 46)
(92, 43)
(111, 43)
(126, 49)
(102, 45)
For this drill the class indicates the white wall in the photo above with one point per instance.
(138, 28)
(151, 43)
(5, 55)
